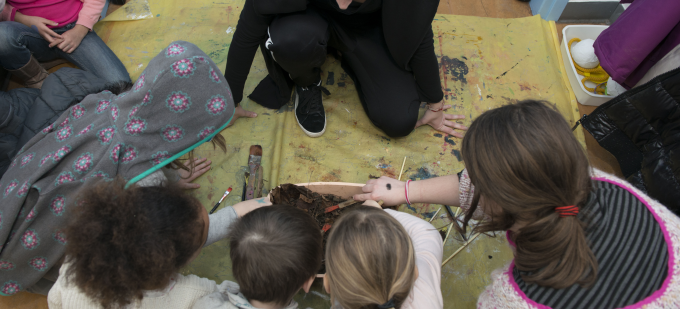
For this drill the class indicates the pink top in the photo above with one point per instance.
(427, 242)
(85, 12)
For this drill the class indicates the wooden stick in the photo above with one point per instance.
(448, 232)
(461, 248)
(402, 169)
(435, 214)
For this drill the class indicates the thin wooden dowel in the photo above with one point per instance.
(448, 232)
(435, 214)
(461, 248)
(402, 168)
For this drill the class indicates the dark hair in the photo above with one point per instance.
(274, 251)
(122, 242)
(524, 161)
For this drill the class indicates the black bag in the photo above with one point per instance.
(641, 128)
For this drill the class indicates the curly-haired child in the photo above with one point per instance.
(381, 259)
(125, 247)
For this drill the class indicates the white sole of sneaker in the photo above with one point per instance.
(310, 134)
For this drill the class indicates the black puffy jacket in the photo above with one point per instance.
(24, 111)
(641, 128)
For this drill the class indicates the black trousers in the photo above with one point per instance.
(299, 44)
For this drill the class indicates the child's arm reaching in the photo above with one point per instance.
(429, 249)
(440, 190)
(223, 219)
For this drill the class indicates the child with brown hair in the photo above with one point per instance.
(581, 238)
(275, 251)
(126, 247)
(381, 259)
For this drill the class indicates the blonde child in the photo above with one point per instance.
(380, 259)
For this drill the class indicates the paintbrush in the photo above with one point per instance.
(341, 205)
(255, 180)
(218, 203)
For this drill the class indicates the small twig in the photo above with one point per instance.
(402, 168)
(461, 248)
(448, 232)
(309, 180)
(435, 214)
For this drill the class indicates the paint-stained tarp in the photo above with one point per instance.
(485, 63)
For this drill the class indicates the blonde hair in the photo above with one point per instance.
(370, 260)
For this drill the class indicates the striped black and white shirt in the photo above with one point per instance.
(630, 249)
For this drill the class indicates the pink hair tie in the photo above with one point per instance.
(566, 211)
(406, 191)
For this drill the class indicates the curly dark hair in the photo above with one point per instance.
(122, 242)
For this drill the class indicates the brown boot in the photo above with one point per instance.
(33, 74)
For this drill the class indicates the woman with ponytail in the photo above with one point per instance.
(581, 238)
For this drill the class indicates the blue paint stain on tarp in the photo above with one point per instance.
(449, 140)
(457, 154)
(158, 15)
(422, 173)
(384, 165)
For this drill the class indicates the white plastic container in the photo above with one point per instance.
(582, 32)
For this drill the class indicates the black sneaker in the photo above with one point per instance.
(309, 111)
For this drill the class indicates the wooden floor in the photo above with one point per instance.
(598, 157)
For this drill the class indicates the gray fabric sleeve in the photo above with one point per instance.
(219, 224)
(156, 178)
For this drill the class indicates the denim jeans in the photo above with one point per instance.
(18, 42)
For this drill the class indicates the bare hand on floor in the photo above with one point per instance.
(240, 112)
(441, 121)
(198, 167)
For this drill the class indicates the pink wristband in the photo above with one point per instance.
(406, 191)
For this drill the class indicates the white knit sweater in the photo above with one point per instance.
(182, 292)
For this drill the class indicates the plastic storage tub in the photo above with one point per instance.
(582, 32)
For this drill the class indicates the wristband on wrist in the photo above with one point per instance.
(406, 191)
(435, 110)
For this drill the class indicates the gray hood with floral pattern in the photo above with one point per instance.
(179, 102)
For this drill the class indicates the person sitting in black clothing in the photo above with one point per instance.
(386, 48)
